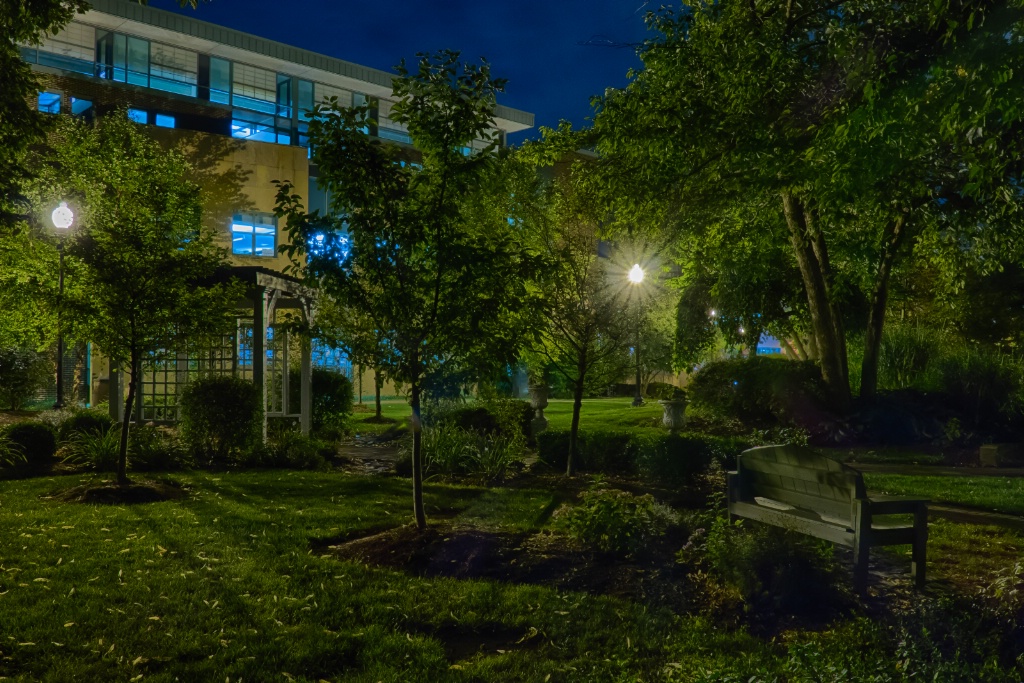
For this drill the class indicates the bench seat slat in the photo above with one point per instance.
(834, 508)
(844, 480)
(787, 520)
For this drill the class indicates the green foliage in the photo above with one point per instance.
(22, 374)
(83, 421)
(220, 418)
(617, 522)
(291, 450)
(760, 390)
(332, 397)
(772, 569)
(96, 450)
(985, 386)
(904, 356)
(667, 459)
(450, 450)
(157, 449)
(35, 441)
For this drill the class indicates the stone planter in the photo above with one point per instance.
(674, 417)
(539, 401)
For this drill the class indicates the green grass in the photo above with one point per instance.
(990, 493)
(604, 413)
(887, 455)
(225, 585)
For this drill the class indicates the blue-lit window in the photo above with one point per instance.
(165, 120)
(49, 102)
(249, 125)
(138, 115)
(138, 61)
(254, 234)
(396, 135)
(220, 80)
(80, 107)
(173, 69)
(326, 358)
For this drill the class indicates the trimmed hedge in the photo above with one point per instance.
(761, 390)
(662, 457)
(220, 418)
(331, 393)
(84, 422)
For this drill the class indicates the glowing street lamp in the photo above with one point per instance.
(636, 276)
(62, 218)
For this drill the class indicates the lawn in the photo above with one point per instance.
(989, 493)
(228, 584)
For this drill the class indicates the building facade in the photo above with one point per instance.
(240, 105)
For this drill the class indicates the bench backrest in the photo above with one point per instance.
(798, 476)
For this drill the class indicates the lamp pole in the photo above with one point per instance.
(62, 218)
(636, 276)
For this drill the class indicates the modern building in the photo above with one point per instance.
(240, 103)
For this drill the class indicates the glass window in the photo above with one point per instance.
(80, 107)
(305, 99)
(173, 69)
(321, 92)
(254, 88)
(138, 61)
(49, 102)
(165, 120)
(254, 234)
(250, 126)
(284, 95)
(111, 56)
(220, 80)
(71, 49)
(138, 115)
(387, 128)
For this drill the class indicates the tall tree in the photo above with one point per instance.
(857, 118)
(437, 286)
(139, 255)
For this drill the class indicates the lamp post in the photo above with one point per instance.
(62, 218)
(636, 276)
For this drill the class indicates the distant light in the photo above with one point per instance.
(62, 216)
(636, 274)
(713, 314)
(742, 331)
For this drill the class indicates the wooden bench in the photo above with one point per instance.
(795, 488)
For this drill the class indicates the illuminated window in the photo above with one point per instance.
(173, 69)
(49, 102)
(165, 121)
(254, 234)
(138, 115)
(80, 107)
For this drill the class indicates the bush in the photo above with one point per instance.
(670, 459)
(155, 449)
(332, 397)
(983, 385)
(96, 450)
(83, 422)
(35, 441)
(291, 450)
(613, 521)
(220, 418)
(661, 391)
(774, 570)
(22, 374)
(761, 390)
(904, 355)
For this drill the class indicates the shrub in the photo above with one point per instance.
(660, 390)
(331, 393)
(772, 569)
(79, 421)
(291, 450)
(982, 384)
(220, 418)
(155, 449)
(448, 449)
(904, 356)
(618, 522)
(35, 441)
(670, 459)
(96, 450)
(761, 390)
(22, 373)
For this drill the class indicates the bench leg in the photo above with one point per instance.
(861, 545)
(917, 564)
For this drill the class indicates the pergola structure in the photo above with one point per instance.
(257, 350)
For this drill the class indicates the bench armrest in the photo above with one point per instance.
(889, 505)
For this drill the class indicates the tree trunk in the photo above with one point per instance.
(577, 404)
(417, 456)
(798, 346)
(129, 402)
(876, 313)
(376, 389)
(828, 346)
(359, 383)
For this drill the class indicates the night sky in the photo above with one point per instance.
(538, 45)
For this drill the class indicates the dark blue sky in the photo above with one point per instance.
(535, 44)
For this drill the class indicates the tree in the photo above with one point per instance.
(853, 122)
(139, 254)
(437, 286)
(585, 320)
(22, 373)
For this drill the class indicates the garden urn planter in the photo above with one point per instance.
(539, 401)
(674, 416)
